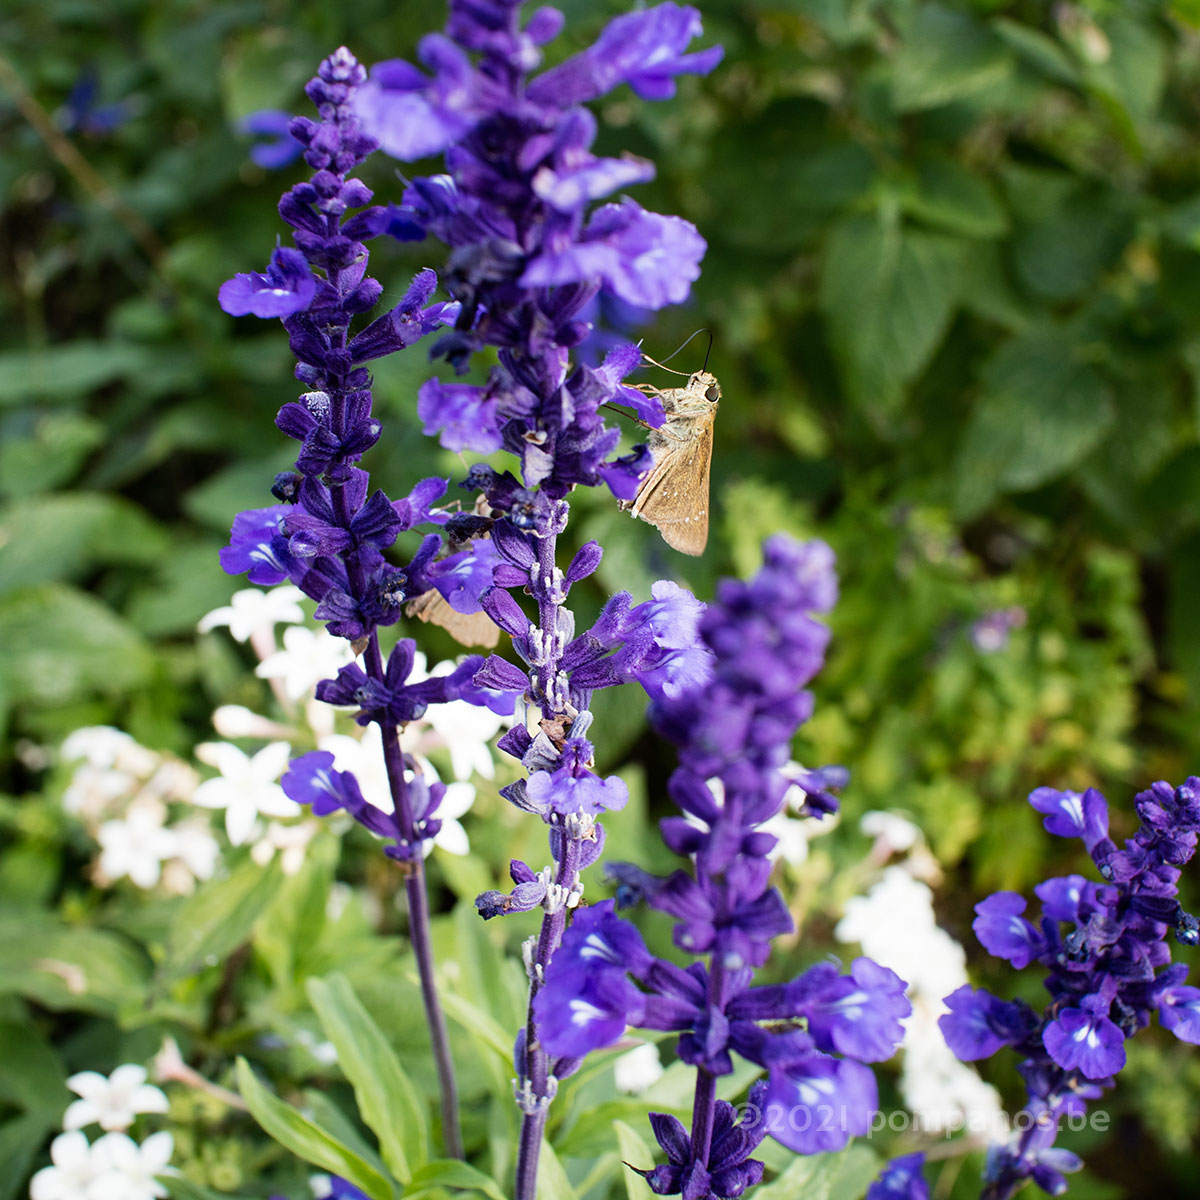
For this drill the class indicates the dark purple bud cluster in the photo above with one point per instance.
(734, 727)
(1105, 947)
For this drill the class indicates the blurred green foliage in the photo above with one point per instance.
(954, 279)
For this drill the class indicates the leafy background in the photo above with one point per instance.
(954, 281)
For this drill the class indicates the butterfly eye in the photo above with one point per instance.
(713, 394)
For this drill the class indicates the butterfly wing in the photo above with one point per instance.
(674, 496)
(468, 629)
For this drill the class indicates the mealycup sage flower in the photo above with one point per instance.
(812, 1036)
(1105, 948)
(533, 239)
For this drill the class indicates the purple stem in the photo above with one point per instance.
(704, 1105)
(539, 1090)
(418, 922)
(414, 884)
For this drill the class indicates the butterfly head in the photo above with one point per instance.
(705, 384)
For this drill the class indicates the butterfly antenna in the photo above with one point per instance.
(689, 339)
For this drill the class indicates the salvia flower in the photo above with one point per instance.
(812, 1036)
(1105, 949)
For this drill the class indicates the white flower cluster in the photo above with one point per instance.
(121, 792)
(114, 1166)
(247, 785)
(896, 926)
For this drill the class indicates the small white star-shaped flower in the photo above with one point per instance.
(246, 786)
(467, 730)
(136, 846)
(75, 1168)
(112, 1102)
(251, 610)
(307, 657)
(291, 841)
(130, 1170)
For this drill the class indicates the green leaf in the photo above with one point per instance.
(387, 1100)
(60, 644)
(1038, 50)
(552, 1182)
(480, 1023)
(842, 1176)
(944, 56)
(33, 1076)
(51, 452)
(70, 369)
(61, 537)
(634, 1150)
(888, 294)
(69, 969)
(307, 1140)
(20, 1140)
(450, 1173)
(956, 199)
(218, 918)
(1043, 409)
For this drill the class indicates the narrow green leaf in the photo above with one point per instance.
(60, 644)
(66, 536)
(387, 1099)
(634, 1150)
(20, 1140)
(66, 968)
(218, 918)
(307, 1140)
(481, 1023)
(450, 1173)
(841, 1176)
(69, 369)
(553, 1183)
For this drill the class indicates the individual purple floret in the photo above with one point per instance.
(1108, 960)
(812, 1036)
(901, 1179)
(277, 147)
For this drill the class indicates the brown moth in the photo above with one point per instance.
(468, 629)
(674, 495)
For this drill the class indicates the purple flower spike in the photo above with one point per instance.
(287, 287)
(641, 257)
(573, 788)
(1069, 814)
(902, 1179)
(258, 547)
